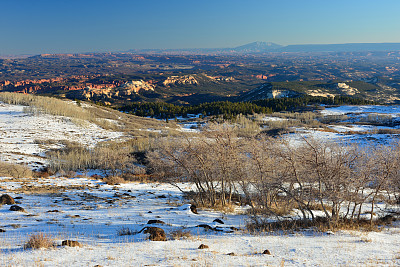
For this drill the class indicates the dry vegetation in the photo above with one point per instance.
(39, 240)
(14, 170)
(80, 114)
(274, 177)
(114, 158)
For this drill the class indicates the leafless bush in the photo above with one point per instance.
(14, 170)
(114, 158)
(377, 119)
(180, 234)
(274, 177)
(125, 231)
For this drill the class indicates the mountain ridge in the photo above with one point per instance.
(269, 47)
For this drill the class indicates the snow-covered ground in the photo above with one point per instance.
(394, 110)
(93, 213)
(89, 211)
(354, 133)
(22, 134)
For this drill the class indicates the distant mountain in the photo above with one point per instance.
(267, 47)
(350, 47)
(258, 47)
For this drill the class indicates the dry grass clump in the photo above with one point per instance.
(125, 231)
(180, 234)
(39, 240)
(114, 180)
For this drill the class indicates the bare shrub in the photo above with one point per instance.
(114, 158)
(125, 231)
(180, 234)
(39, 240)
(274, 177)
(212, 162)
(14, 170)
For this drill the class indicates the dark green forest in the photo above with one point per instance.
(228, 110)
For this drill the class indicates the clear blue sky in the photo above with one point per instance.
(57, 26)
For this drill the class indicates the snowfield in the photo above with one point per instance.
(22, 134)
(94, 214)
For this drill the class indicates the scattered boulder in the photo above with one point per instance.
(71, 243)
(150, 211)
(162, 196)
(193, 208)
(266, 252)
(207, 227)
(155, 222)
(156, 234)
(2, 230)
(231, 254)
(218, 221)
(6, 200)
(17, 208)
(202, 246)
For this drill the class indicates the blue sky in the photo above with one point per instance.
(60, 26)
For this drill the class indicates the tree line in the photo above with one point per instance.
(228, 110)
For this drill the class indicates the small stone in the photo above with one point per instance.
(155, 222)
(202, 246)
(71, 243)
(231, 254)
(266, 252)
(193, 208)
(17, 208)
(218, 221)
(53, 211)
(2, 230)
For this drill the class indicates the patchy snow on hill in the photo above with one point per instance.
(24, 138)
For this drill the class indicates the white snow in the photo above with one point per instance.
(21, 134)
(394, 110)
(95, 213)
